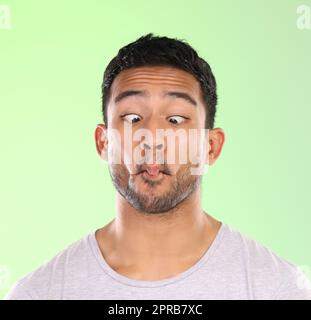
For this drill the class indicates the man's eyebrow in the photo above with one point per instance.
(128, 93)
(182, 95)
(177, 94)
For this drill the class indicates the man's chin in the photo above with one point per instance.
(150, 204)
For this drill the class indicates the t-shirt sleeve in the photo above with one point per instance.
(295, 285)
(18, 292)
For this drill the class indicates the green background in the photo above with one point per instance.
(54, 188)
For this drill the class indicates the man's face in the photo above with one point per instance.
(148, 186)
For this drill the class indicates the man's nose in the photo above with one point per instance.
(154, 144)
(148, 146)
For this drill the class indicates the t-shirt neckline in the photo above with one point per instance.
(153, 283)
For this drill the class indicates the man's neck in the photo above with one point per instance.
(157, 245)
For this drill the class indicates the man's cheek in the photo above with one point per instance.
(130, 169)
(114, 146)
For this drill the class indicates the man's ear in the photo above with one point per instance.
(101, 140)
(216, 139)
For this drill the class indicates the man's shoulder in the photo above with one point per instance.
(241, 244)
(267, 269)
(50, 274)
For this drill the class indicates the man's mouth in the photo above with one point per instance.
(152, 175)
(152, 172)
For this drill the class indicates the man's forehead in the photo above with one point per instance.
(158, 77)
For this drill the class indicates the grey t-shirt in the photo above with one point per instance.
(234, 267)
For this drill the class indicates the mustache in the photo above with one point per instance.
(162, 168)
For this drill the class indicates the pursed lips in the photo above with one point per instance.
(152, 172)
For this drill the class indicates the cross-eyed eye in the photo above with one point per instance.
(176, 119)
(131, 118)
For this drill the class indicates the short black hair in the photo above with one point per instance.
(150, 50)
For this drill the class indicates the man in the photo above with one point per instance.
(161, 244)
